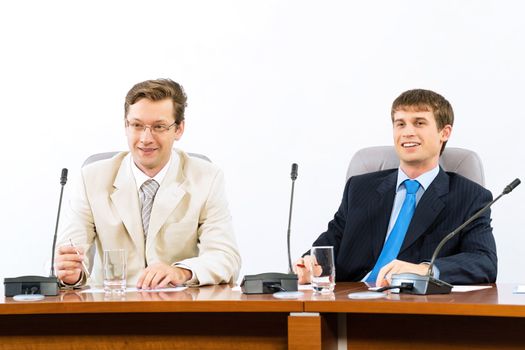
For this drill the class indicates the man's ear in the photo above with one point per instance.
(179, 131)
(445, 132)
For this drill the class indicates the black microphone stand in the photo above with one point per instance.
(63, 180)
(413, 283)
(38, 285)
(271, 282)
(293, 175)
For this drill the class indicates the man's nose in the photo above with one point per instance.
(146, 136)
(409, 130)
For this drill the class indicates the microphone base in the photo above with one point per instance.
(31, 285)
(269, 283)
(421, 285)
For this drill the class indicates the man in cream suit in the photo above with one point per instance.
(185, 238)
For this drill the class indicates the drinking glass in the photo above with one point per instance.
(115, 271)
(322, 269)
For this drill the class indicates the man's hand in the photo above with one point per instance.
(159, 275)
(302, 267)
(68, 264)
(384, 278)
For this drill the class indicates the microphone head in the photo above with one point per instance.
(511, 186)
(293, 174)
(63, 177)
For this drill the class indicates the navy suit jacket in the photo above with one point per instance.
(359, 227)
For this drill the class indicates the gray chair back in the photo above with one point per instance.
(105, 155)
(459, 160)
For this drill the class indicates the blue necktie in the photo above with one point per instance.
(397, 236)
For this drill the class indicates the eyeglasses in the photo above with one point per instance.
(157, 129)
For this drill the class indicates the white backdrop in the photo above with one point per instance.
(269, 83)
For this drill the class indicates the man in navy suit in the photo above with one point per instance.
(422, 123)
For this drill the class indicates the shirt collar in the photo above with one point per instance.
(140, 177)
(424, 179)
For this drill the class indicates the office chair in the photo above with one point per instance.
(459, 160)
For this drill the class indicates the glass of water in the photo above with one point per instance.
(322, 269)
(114, 271)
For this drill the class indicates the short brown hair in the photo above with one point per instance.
(157, 90)
(425, 100)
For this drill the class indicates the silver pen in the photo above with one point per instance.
(84, 267)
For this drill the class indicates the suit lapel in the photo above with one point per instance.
(428, 208)
(386, 192)
(170, 193)
(126, 202)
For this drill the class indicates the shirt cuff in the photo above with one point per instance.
(80, 283)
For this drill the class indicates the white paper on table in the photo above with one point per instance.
(135, 289)
(519, 290)
(462, 289)
(305, 287)
(455, 289)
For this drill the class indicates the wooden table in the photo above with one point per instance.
(215, 317)
(486, 319)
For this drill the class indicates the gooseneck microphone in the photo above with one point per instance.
(417, 284)
(38, 286)
(507, 190)
(293, 175)
(63, 180)
(272, 282)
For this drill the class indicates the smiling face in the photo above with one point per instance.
(417, 140)
(152, 151)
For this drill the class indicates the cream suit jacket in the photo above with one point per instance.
(190, 221)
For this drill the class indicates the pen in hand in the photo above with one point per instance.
(84, 267)
(303, 265)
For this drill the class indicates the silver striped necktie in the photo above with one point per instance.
(147, 195)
